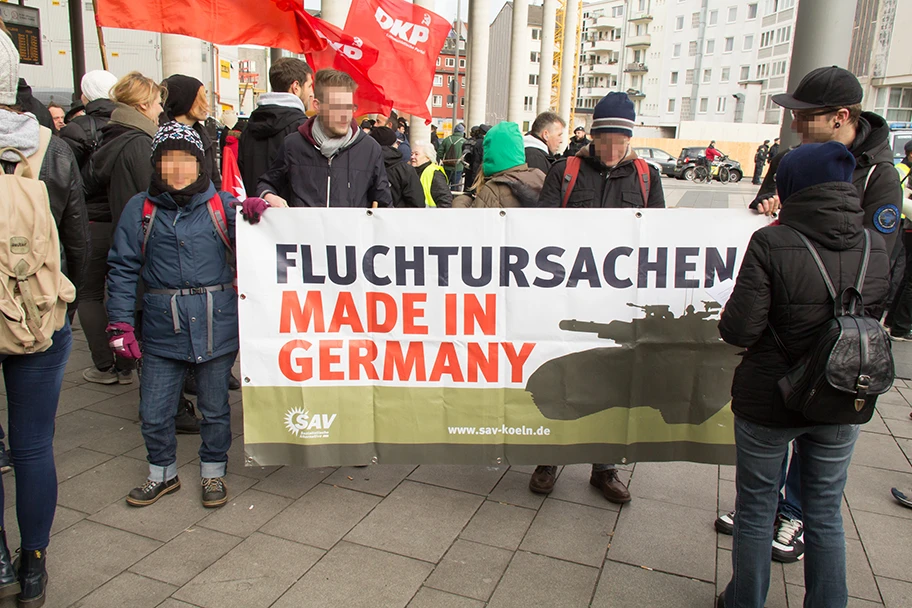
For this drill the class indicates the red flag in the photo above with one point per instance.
(231, 175)
(230, 22)
(409, 39)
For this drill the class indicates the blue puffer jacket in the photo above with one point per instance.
(183, 251)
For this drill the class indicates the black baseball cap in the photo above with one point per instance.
(829, 87)
(579, 129)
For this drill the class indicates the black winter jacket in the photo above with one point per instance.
(882, 200)
(260, 142)
(440, 187)
(60, 175)
(600, 187)
(27, 103)
(121, 167)
(537, 154)
(780, 285)
(210, 145)
(78, 133)
(576, 145)
(354, 177)
(405, 187)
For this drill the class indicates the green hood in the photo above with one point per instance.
(503, 148)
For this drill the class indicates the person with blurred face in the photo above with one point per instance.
(188, 104)
(57, 113)
(544, 141)
(433, 178)
(329, 161)
(608, 178)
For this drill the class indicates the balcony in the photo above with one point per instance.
(608, 23)
(597, 92)
(603, 46)
(600, 69)
(639, 41)
(636, 68)
(635, 94)
(640, 18)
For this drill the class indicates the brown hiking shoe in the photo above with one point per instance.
(611, 487)
(543, 479)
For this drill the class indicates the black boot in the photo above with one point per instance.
(9, 581)
(33, 578)
(186, 422)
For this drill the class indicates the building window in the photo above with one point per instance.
(895, 103)
(438, 80)
(726, 74)
(679, 23)
(450, 101)
(676, 52)
(527, 103)
(536, 34)
(536, 57)
(689, 77)
(748, 43)
(463, 82)
(462, 102)
(642, 5)
(745, 72)
(533, 79)
(692, 48)
(674, 78)
(641, 30)
(617, 11)
(438, 62)
(704, 105)
(720, 105)
(671, 106)
(713, 17)
(462, 63)
(695, 20)
(450, 62)
(438, 101)
(751, 11)
(710, 47)
(707, 76)
(732, 14)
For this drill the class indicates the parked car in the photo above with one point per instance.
(684, 166)
(660, 159)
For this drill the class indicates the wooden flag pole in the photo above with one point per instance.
(101, 41)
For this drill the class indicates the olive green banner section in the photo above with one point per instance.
(319, 426)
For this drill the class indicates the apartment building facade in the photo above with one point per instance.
(499, 66)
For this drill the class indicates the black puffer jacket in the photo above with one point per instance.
(882, 200)
(600, 187)
(779, 284)
(27, 103)
(576, 145)
(355, 177)
(78, 133)
(122, 167)
(210, 145)
(405, 187)
(267, 128)
(60, 175)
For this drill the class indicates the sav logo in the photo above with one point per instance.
(304, 425)
(352, 52)
(400, 28)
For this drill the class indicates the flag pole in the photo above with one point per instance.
(456, 67)
(101, 41)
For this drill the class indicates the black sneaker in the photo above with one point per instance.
(901, 497)
(901, 336)
(233, 383)
(725, 524)
(788, 540)
(186, 422)
(215, 493)
(6, 464)
(151, 491)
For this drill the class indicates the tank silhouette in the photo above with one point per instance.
(676, 365)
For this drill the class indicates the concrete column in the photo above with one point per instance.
(418, 131)
(182, 55)
(335, 11)
(823, 29)
(546, 68)
(479, 42)
(519, 61)
(568, 58)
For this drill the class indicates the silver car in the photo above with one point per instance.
(660, 159)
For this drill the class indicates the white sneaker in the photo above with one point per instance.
(100, 377)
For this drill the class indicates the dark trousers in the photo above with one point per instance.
(758, 172)
(900, 317)
(33, 385)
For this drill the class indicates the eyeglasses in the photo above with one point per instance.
(809, 116)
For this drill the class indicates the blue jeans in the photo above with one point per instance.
(32, 391)
(161, 383)
(790, 480)
(825, 452)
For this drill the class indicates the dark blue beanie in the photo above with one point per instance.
(615, 113)
(812, 164)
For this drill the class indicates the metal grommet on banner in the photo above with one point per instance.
(243, 296)
(499, 461)
(247, 379)
(369, 212)
(623, 461)
(374, 460)
(503, 213)
(639, 215)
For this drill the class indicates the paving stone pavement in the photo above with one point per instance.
(427, 536)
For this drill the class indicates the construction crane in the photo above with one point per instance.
(559, 43)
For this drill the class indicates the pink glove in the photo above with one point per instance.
(122, 341)
(252, 208)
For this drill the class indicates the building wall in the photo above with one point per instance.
(441, 114)
(888, 91)
(499, 66)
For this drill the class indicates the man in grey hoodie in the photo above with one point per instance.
(277, 115)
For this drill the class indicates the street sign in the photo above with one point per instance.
(24, 24)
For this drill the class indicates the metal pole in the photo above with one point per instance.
(546, 67)
(418, 131)
(822, 31)
(519, 62)
(456, 67)
(570, 51)
(479, 42)
(77, 46)
(101, 41)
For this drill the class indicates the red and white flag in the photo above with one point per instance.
(231, 175)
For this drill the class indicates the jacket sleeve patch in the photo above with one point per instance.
(886, 219)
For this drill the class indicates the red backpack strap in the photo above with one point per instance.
(148, 216)
(216, 209)
(642, 169)
(571, 172)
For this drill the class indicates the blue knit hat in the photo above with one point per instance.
(614, 114)
(812, 164)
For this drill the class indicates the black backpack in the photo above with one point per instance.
(838, 380)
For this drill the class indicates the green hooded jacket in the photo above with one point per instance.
(503, 148)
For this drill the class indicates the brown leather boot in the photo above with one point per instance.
(611, 487)
(543, 479)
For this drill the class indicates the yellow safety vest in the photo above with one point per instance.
(427, 177)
